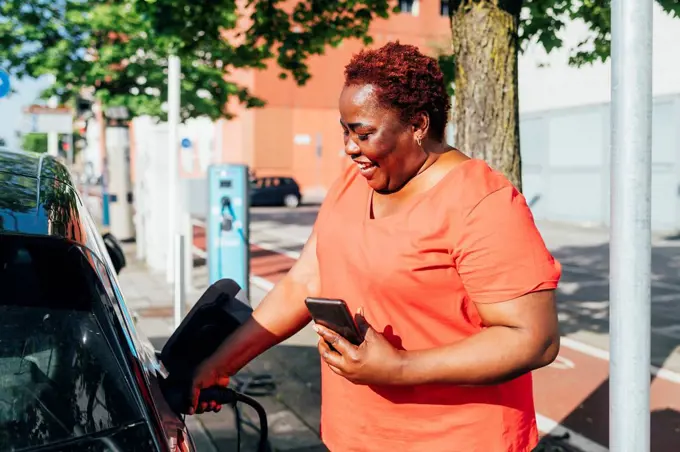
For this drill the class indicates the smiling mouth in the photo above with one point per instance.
(367, 169)
(364, 165)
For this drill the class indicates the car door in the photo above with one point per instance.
(256, 192)
(173, 427)
(266, 192)
(278, 191)
(63, 365)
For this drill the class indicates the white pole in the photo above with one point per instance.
(53, 144)
(173, 154)
(71, 152)
(179, 292)
(630, 257)
(188, 257)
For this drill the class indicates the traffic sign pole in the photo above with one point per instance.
(630, 256)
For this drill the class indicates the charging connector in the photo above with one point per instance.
(221, 309)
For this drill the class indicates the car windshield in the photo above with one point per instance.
(60, 379)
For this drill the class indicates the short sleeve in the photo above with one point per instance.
(500, 254)
(339, 186)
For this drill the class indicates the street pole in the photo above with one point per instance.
(174, 72)
(179, 287)
(71, 152)
(319, 168)
(630, 256)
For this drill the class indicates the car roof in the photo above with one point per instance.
(274, 177)
(38, 197)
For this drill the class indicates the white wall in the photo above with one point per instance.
(91, 154)
(557, 85)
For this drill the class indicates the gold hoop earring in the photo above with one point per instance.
(419, 141)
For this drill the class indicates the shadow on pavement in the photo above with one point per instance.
(583, 304)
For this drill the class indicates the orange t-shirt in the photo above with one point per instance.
(418, 274)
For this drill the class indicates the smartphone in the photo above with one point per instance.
(334, 315)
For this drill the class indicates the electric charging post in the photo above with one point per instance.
(630, 253)
(228, 241)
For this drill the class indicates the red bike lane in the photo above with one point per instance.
(572, 392)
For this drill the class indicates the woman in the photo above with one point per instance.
(441, 258)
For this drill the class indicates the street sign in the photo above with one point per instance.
(302, 139)
(186, 143)
(41, 119)
(118, 112)
(4, 84)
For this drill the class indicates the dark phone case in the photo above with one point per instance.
(334, 314)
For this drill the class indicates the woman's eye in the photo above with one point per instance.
(363, 137)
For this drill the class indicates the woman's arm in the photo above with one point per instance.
(521, 335)
(281, 314)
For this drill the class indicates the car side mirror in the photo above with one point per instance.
(115, 252)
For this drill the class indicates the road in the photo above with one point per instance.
(571, 394)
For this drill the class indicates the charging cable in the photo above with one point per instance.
(232, 397)
(260, 385)
(229, 220)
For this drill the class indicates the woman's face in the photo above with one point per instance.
(379, 143)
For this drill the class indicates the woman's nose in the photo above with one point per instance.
(351, 148)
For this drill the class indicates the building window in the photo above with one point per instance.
(444, 7)
(409, 7)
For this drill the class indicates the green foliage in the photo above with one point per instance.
(541, 22)
(37, 142)
(447, 63)
(34, 142)
(120, 48)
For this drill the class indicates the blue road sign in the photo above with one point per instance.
(186, 143)
(4, 84)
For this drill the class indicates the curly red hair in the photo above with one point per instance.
(405, 80)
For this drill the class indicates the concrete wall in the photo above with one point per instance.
(566, 163)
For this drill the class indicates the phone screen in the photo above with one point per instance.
(334, 315)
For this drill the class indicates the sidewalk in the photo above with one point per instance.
(293, 409)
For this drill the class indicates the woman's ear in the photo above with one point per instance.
(421, 124)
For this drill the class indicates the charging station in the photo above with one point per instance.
(228, 229)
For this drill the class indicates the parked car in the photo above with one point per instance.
(75, 373)
(274, 191)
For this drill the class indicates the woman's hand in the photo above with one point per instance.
(375, 361)
(207, 375)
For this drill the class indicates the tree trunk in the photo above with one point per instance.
(486, 99)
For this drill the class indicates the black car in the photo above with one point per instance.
(75, 372)
(274, 191)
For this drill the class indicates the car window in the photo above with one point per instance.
(60, 378)
(256, 183)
